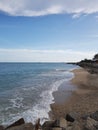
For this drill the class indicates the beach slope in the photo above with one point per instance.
(84, 99)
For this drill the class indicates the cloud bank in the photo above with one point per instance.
(46, 7)
(26, 55)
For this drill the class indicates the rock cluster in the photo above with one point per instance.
(90, 65)
(70, 122)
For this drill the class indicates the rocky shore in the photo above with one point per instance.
(70, 122)
(84, 100)
(79, 112)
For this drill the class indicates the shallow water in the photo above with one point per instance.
(26, 89)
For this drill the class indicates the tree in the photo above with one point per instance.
(95, 57)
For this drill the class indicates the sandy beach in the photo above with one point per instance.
(83, 100)
(74, 109)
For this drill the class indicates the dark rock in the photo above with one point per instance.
(48, 124)
(17, 123)
(60, 123)
(94, 116)
(56, 123)
(71, 117)
(27, 126)
(1, 127)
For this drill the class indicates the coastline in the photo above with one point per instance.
(78, 111)
(83, 99)
(29, 102)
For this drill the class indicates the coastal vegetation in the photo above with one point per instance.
(90, 64)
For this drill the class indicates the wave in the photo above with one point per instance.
(61, 70)
(38, 110)
(41, 108)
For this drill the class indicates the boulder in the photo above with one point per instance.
(60, 123)
(18, 122)
(94, 115)
(71, 117)
(1, 127)
(27, 126)
(91, 124)
(48, 124)
(74, 126)
(69, 123)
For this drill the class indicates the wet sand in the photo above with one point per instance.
(82, 100)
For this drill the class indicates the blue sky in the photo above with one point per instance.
(44, 31)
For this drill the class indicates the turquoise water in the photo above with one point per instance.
(26, 89)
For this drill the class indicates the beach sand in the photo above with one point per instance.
(83, 100)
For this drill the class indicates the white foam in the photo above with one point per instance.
(61, 70)
(41, 109)
(56, 72)
(16, 102)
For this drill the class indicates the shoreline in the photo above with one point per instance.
(82, 100)
(77, 112)
(64, 91)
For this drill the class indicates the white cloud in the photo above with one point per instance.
(76, 16)
(45, 7)
(26, 55)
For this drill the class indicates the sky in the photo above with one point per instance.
(48, 30)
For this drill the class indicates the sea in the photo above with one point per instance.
(26, 89)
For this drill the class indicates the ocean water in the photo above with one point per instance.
(26, 89)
